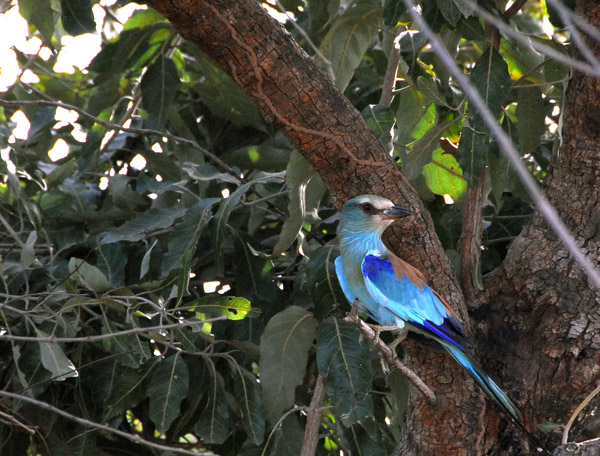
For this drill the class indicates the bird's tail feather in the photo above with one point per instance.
(492, 390)
(485, 382)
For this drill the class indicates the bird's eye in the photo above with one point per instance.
(368, 208)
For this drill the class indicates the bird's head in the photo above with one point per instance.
(370, 213)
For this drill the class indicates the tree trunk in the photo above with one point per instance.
(542, 314)
(539, 325)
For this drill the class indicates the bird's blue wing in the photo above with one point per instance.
(402, 295)
(342, 280)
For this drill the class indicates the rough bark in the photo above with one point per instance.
(543, 312)
(528, 312)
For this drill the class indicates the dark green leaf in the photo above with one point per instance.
(145, 223)
(125, 387)
(39, 13)
(185, 235)
(490, 77)
(449, 10)
(247, 395)
(392, 11)
(77, 17)
(322, 282)
(284, 347)
(159, 87)
(288, 437)
(213, 425)
(531, 115)
(169, 386)
(349, 38)
(112, 259)
(343, 360)
(471, 29)
(472, 152)
(299, 172)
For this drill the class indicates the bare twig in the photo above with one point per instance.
(505, 143)
(580, 407)
(389, 80)
(84, 422)
(313, 419)
(390, 356)
(127, 332)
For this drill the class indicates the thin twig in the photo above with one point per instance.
(127, 332)
(388, 90)
(390, 356)
(565, 436)
(84, 422)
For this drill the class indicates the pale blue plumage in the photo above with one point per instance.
(393, 293)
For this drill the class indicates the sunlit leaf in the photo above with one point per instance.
(422, 151)
(40, 14)
(444, 176)
(234, 308)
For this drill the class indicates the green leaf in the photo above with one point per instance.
(247, 395)
(284, 347)
(145, 223)
(39, 13)
(112, 259)
(343, 360)
(531, 114)
(431, 91)
(206, 172)
(322, 282)
(28, 252)
(498, 164)
(471, 29)
(287, 438)
(145, 266)
(122, 387)
(234, 308)
(349, 38)
(472, 152)
(444, 176)
(411, 109)
(185, 235)
(131, 350)
(77, 17)
(213, 425)
(299, 172)
(143, 18)
(422, 151)
(169, 386)
(392, 12)
(159, 87)
(449, 10)
(54, 359)
(88, 276)
(490, 77)
(359, 441)
(380, 118)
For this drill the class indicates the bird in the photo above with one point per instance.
(394, 293)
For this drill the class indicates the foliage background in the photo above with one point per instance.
(106, 253)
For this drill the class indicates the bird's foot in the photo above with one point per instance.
(378, 329)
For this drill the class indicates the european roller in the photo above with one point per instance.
(394, 293)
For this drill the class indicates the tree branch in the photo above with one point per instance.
(87, 423)
(313, 419)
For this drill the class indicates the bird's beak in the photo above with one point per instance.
(396, 212)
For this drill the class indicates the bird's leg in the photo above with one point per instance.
(354, 310)
(401, 330)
